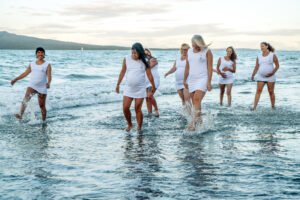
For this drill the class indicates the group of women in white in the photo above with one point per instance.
(193, 69)
(193, 73)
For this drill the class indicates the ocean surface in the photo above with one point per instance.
(83, 152)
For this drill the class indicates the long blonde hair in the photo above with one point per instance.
(184, 45)
(198, 39)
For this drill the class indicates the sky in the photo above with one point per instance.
(157, 23)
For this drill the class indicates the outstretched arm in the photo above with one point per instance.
(209, 69)
(121, 76)
(172, 70)
(255, 69)
(49, 75)
(23, 75)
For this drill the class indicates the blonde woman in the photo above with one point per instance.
(178, 68)
(226, 68)
(198, 71)
(266, 72)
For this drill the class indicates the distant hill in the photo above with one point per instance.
(13, 41)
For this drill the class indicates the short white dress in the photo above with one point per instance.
(198, 73)
(135, 78)
(38, 77)
(156, 77)
(179, 73)
(266, 66)
(229, 75)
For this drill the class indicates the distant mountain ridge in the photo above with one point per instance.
(14, 41)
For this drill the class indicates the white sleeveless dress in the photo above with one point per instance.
(198, 74)
(179, 73)
(266, 66)
(229, 75)
(156, 77)
(38, 77)
(135, 78)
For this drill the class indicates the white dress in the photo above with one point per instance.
(198, 74)
(38, 77)
(179, 73)
(156, 77)
(135, 78)
(266, 66)
(229, 75)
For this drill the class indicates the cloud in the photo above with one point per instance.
(101, 10)
(49, 28)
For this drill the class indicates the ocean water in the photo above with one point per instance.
(83, 152)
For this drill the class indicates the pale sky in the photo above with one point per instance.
(157, 23)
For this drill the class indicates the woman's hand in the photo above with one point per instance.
(12, 82)
(209, 87)
(118, 88)
(223, 75)
(270, 74)
(186, 85)
(48, 85)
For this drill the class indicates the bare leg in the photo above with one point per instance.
(197, 98)
(29, 93)
(259, 89)
(149, 101)
(222, 91)
(153, 102)
(42, 103)
(126, 110)
(271, 86)
(139, 113)
(228, 92)
(181, 95)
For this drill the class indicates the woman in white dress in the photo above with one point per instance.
(150, 100)
(135, 67)
(226, 67)
(40, 80)
(266, 72)
(178, 68)
(198, 72)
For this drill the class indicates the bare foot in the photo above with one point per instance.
(191, 127)
(18, 116)
(252, 109)
(128, 128)
(156, 113)
(139, 130)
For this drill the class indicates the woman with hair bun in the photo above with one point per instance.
(265, 71)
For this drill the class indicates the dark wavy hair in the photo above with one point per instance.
(141, 53)
(233, 56)
(40, 49)
(270, 47)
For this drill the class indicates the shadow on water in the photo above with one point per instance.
(29, 146)
(141, 155)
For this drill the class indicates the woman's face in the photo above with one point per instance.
(229, 52)
(195, 47)
(184, 51)
(147, 53)
(263, 47)
(40, 55)
(134, 54)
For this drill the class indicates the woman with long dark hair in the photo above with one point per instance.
(265, 72)
(226, 67)
(135, 67)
